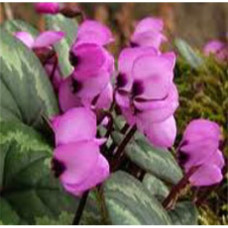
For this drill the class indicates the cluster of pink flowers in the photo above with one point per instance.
(77, 160)
(199, 149)
(145, 89)
(144, 92)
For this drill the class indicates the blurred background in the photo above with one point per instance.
(195, 22)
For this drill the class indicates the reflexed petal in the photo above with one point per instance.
(156, 74)
(149, 23)
(25, 37)
(122, 99)
(127, 58)
(148, 39)
(79, 159)
(161, 134)
(94, 32)
(75, 125)
(206, 175)
(99, 174)
(213, 47)
(48, 7)
(217, 158)
(157, 111)
(91, 58)
(67, 98)
(199, 152)
(48, 38)
(200, 129)
(56, 79)
(105, 98)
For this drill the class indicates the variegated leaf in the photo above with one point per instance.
(26, 92)
(156, 161)
(28, 189)
(155, 186)
(16, 25)
(69, 27)
(129, 203)
(185, 213)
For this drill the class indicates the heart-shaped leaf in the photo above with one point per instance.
(28, 189)
(26, 92)
(156, 161)
(69, 27)
(155, 186)
(129, 203)
(185, 213)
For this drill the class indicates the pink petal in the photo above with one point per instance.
(200, 129)
(48, 7)
(79, 160)
(161, 134)
(157, 111)
(56, 78)
(156, 74)
(148, 39)
(213, 47)
(91, 58)
(126, 60)
(94, 32)
(217, 158)
(48, 38)
(25, 37)
(149, 23)
(75, 125)
(199, 152)
(67, 98)
(206, 175)
(105, 98)
(99, 174)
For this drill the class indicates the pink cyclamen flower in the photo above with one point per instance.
(77, 161)
(146, 93)
(199, 148)
(217, 48)
(47, 7)
(89, 85)
(44, 43)
(91, 31)
(148, 33)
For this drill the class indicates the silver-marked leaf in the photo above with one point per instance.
(69, 27)
(156, 161)
(185, 213)
(28, 188)
(26, 92)
(129, 203)
(155, 186)
(187, 52)
(16, 25)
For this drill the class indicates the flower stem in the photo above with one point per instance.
(174, 193)
(118, 156)
(80, 208)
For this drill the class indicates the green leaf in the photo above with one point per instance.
(69, 27)
(19, 25)
(28, 188)
(185, 213)
(26, 91)
(156, 161)
(129, 203)
(190, 55)
(155, 186)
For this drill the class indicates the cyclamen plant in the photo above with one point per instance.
(142, 92)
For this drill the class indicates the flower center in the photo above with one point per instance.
(74, 60)
(121, 80)
(182, 158)
(76, 86)
(137, 88)
(58, 167)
